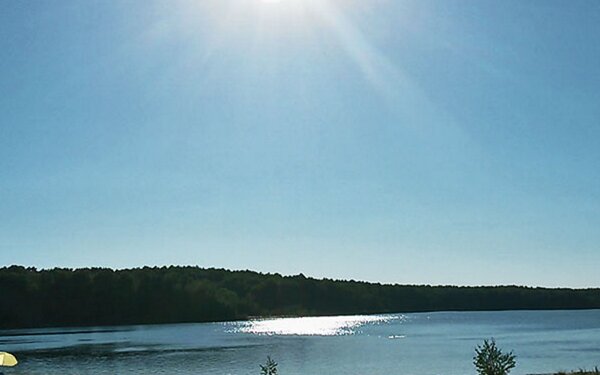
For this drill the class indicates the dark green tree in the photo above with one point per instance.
(489, 359)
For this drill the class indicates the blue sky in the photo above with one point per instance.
(427, 142)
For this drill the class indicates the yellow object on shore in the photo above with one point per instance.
(7, 359)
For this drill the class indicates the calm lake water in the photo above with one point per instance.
(424, 343)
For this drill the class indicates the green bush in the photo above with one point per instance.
(489, 359)
(269, 368)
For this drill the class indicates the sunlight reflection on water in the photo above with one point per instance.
(311, 326)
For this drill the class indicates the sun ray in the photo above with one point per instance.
(399, 92)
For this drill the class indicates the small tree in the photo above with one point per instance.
(489, 359)
(269, 368)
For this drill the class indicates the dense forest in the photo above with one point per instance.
(99, 296)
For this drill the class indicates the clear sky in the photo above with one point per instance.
(436, 142)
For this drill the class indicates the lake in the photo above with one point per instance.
(419, 343)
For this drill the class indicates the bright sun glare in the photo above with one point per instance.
(265, 22)
(313, 326)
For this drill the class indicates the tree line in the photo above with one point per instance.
(99, 296)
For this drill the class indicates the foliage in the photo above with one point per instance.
(100, 296)
(269, 368)
(489, 359)
(581, 371)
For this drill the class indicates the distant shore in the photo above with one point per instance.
(35, 298)
(595, 371)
